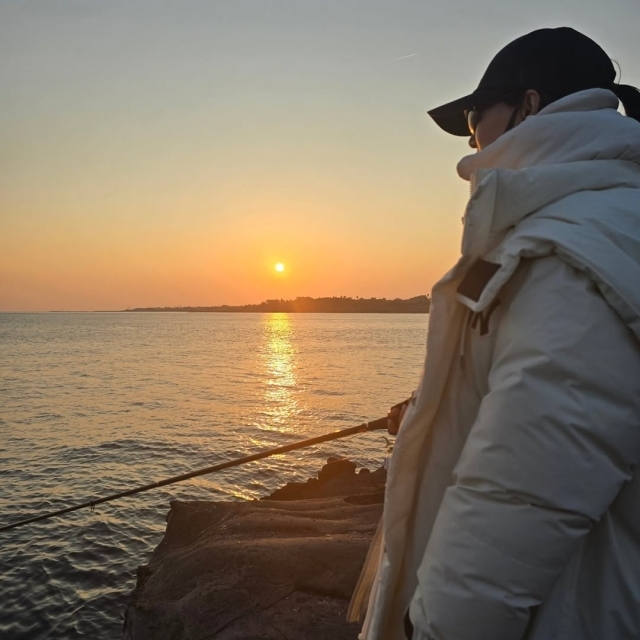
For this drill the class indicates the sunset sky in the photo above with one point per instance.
(171, 153)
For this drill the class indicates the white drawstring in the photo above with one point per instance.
(464, 337)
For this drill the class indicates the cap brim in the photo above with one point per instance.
(451, 117)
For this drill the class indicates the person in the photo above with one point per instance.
(512, 507)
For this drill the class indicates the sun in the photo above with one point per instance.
(279, 267)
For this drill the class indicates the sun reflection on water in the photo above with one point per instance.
(280, 367)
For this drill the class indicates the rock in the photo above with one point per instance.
(336, 478)
(335, 468)
(267, 569)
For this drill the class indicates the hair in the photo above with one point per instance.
(629, 97)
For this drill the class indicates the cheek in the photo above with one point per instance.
(492, 126)
(484, 137)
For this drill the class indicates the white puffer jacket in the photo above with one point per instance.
(513, 497)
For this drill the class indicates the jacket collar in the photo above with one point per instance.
(581, 126)
(575, 144)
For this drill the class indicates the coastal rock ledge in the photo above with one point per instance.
(280, 568)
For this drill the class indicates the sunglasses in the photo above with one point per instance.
(474, 115)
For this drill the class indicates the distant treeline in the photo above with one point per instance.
(419, 304)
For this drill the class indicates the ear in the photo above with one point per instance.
(530, 103)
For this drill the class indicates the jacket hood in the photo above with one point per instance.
(567, 182)
(576, 144)
(581, 126)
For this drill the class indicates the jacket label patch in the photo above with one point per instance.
(476, 279)
(481, 319)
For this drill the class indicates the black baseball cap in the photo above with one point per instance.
(555, 61)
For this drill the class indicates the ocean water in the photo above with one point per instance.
(91, 404)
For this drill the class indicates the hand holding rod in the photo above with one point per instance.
(380, 423)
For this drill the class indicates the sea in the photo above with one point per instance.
(96, 403)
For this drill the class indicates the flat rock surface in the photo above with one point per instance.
(268, 569)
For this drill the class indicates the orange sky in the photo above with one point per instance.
(171, 155)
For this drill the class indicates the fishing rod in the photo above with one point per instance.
(380, 423)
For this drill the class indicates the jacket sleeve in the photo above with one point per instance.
(556, 437)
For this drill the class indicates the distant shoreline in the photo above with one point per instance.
(418, 304)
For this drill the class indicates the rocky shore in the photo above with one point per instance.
(280, 568)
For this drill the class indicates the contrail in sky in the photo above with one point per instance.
(411, 55)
